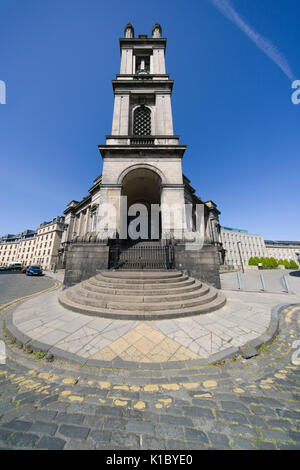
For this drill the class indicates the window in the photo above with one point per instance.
(142, 121)
(142, 64)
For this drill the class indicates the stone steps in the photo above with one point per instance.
(140, 274)
(113, 289)
(141, 278)
(142, 295)
(140, 284)
(132, 315)
(136, 303)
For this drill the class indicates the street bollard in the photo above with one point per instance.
(286, 283)
(262, 279)
(239, 281)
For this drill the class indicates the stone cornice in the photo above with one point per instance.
(143, 83)
(131, 136)
(172, 186)
(132, 42)
(145, 77)
(111, 186)
(125, 151)
(79, 205)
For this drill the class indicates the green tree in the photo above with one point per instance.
(293, 265)
(273, 263)
(269, 263)
(265, 262)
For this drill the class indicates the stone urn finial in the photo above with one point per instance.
(156, 31)
(129, 31)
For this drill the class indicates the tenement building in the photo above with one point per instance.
(41, 246)
(142, 202)
(17, 248)
(48, 243)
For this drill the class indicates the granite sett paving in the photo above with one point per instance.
(241, 404)
(177, 401)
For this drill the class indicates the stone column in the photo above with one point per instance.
(126, 62)
(159, 61)
(163, 116)
(121, 115)
(168, 115)
(87, 218)
(76, 226)
(151, 64)
(108, 223)
(209, 238)
(80, 223)
(172, 202)
(70, 228)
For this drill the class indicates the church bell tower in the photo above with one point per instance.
(142, 156)
(142, 165)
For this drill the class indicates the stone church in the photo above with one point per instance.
(142, 165)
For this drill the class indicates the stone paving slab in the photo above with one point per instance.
(47, 325)
(273, 279)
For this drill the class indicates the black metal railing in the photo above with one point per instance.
(141, 256)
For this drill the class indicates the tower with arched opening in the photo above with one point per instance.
(142, 165)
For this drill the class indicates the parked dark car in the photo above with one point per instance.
(15, 267)
(34, 271)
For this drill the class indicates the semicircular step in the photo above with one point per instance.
(142, 295)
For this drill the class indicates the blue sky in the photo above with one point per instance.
(231, 104)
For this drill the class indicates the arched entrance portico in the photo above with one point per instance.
(142, 187)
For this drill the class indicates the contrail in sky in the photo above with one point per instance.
(264, 44)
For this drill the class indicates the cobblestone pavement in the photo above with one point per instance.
(14, 285)
(246, 404)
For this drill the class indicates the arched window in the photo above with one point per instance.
(142, 121)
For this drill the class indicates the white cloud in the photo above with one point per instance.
(264, 44)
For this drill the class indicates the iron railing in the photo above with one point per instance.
(141, 256)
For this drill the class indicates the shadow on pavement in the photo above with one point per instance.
(10, 272)
(295, 273)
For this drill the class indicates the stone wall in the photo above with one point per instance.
(84, 260)
(201, 264)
